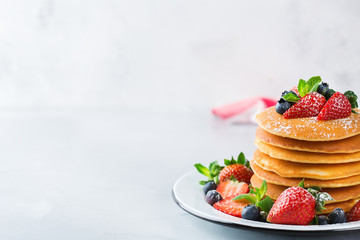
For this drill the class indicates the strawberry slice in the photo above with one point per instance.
(338, 106)
(308, 106)
(231, 189)
(231, 207)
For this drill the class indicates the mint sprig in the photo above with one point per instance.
(257, 197)
(291, 97)
(212, 172)
(311, 85)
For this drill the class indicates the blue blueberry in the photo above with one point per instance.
(282, 105)
(250, 212)
(263, 216)
(329, 93)
(212, 197)
(322, 88)
(209, 186)
(323, 220)
(337, 216)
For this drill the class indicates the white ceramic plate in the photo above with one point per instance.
(188, 194)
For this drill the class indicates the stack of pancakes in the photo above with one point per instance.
(324, 153)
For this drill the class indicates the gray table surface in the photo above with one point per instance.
(108, 174)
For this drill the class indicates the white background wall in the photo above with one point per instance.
(171, 55)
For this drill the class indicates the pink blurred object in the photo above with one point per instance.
(243, 110)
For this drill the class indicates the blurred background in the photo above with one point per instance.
(105, 104)
(171, 55)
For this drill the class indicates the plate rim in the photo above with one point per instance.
(241, 223)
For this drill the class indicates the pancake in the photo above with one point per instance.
(338, 194)
(306, 157)
(299, 170)
(308, 129)
(347, 145)
(272, 177)
(346, 206)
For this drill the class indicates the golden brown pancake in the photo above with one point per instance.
(347, 145)
(299, 170)
(338, 194)
(308, 129)
(346, 206)
(306, 157)
(272, 177)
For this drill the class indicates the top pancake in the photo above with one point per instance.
(347, 145)
(308, 129)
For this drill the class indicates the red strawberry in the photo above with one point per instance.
(232, 188)
(354, 214)
(231, 207)
(295, 206)
(338, 106)
(308, 106)
(238, 171)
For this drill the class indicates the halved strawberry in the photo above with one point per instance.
(238, 171)
(354, 214)
(231, 188)
(231, 207)
(308, 106)
(338, 106)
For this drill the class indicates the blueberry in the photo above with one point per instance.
(212, 197)
(323, 220)
(282, 105)
(250, 212)
(322, 88)
(337, 216)
(209, 186)
(329, 93)
(263, 216)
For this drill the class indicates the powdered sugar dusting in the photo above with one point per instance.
(309, 128)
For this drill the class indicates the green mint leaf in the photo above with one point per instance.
(252, 191)
(214, 169)
(241, 158)
(248, 197)
(216, 179)
(291, 97)
(301, 87)
(265, 204)
(353, 111)
(203, 170)
(301, 184)
(263, 189)
(313, 83)
(203, 182)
